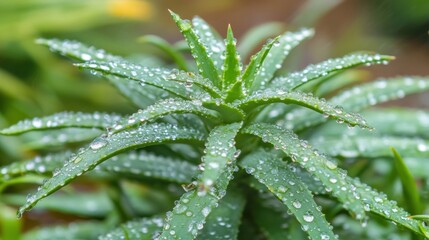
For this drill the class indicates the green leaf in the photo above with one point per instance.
(126, 165)
(191, 211)
(276, 55)
(140, 96)
(103, 148)
(358, 98)
(157, 77)
(326, 68)
(63, 120)
(200, 53)
(409, 188)
(165, 46)
(354, 195)
(371, 146)
(269, 169)
(58, 138)
(164, 108)
(228, 112)
(90, 204)
(77, 51)
(255, 63)
(320, 167)
(73, 231)
(223, 222)
(189, 79)
(143, 164)
(142, 229)
(211, 39)
(231, 67)
(307, 100)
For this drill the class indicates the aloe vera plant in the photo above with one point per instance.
(256, 153)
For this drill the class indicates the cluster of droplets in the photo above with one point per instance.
(173, 81)
(77, 50)
(279, 50)
(305, 99)
(325, 68)
(214, 47)
(280, 180)
(64, 119)
(146, 164)
(316, 164)
(146, 228)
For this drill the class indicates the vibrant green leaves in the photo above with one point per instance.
(326, 68)
(104, 147)
(143, 229)
(190, 213)
(200, 53)
(269, 169)
(231, 67)
(63, 120)
(269, 96)
(276, 55)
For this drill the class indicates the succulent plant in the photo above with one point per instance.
(255, 151)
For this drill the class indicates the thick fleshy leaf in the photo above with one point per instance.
(140, 96)
(211, 39)
(276, 55)
(371, 146)
(223, 222)
(58, 138)
(127, 165)
(190, 213)
(307, 100)
(320, 167)
(164, 79)
(387, 122)
(90, 204)
(77, 51)
(358, 98)
(326, 68)
(193, 79)
(143, 229)
(199, 51)
(163, 108)
(103, 148)
(63, 120)
(255, 63)
(144, 164)
(73, 231)
(409, 188)
(354, 195)
(232, 65)
(269, 169)
(228, 112)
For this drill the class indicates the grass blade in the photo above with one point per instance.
(73, 231)
(289, 188)
(105, 147)
(409, 188)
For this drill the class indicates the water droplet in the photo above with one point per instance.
(308, 217)
(98, 143)
(296, 204)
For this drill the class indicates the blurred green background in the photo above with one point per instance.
(36, 82)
